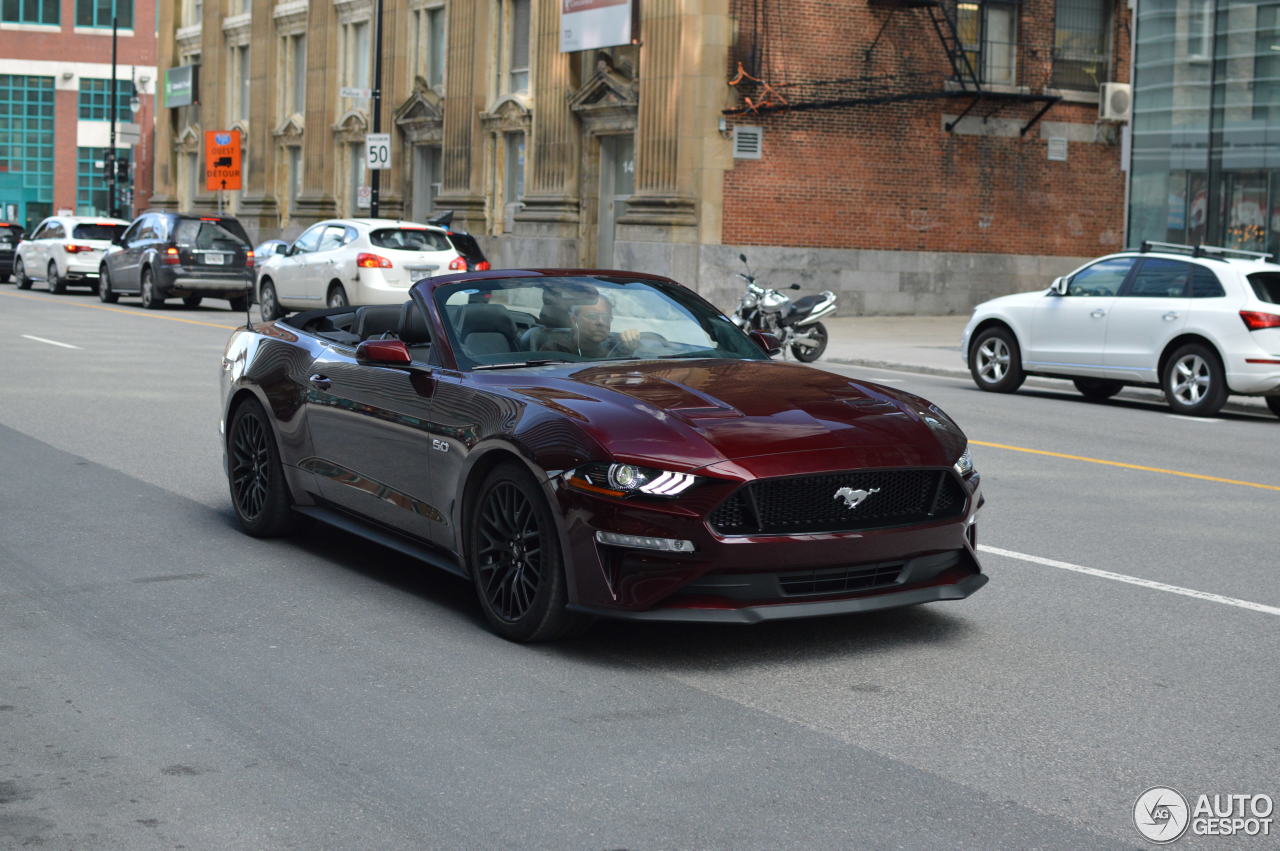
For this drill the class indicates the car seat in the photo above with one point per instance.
(487, 329)
(375, 319)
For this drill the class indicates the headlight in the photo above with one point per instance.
(627, 479)
(964, 466)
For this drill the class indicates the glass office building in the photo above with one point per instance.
(1206, 123)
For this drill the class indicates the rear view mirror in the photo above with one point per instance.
(770, 344)
(385, 352)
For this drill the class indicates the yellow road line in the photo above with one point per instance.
(120, 310)
(1126, 466)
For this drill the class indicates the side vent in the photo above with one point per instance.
(748, 142)
(1115, 102)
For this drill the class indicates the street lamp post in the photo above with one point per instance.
(111, 146)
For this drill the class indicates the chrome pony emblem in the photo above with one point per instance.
(853, 498)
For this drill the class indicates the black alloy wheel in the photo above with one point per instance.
(995, 361)
(1273, 402)
(1193, 381)
(337, 297)
(150, 299)
(192, 300)
(268, 302)
(1097, 389)
(809, 354)
(259, 491)
(20, 275)
(515, 561)
(105, 293)
(54, 282)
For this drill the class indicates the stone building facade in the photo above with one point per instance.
(632, 157)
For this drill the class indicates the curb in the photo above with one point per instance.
(1139, 394)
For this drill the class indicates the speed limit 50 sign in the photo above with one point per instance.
(377, 148)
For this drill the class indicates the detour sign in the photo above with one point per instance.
(221, 159)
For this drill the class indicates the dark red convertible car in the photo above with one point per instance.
(587, 443)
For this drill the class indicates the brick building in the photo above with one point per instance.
(55, 101)
(915, 156)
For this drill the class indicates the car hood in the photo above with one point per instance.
(1014, 300)
(699, 412)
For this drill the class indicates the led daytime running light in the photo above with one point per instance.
(644, 542)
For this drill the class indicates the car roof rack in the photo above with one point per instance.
(1212, 251)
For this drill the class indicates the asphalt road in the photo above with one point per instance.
(166, 681)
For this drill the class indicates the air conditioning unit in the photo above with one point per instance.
(1115, 102)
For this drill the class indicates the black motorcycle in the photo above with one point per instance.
(795, 323)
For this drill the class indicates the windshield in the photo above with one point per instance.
(522, 321)
(9, 236)
(96, 230)
(409, 239)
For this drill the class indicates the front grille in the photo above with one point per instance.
(806, 504)
(839, 581)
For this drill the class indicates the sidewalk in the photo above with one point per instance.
(931, 345)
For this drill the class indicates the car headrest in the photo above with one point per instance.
(491, 318)
(414, 330)
(375, 319)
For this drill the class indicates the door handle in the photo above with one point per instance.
(321, 382)
(1098, 314)
(1170, 316)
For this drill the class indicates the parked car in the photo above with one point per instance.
(1196, 321)
(464, 242)
(10, 236)
(179, 255)
(605, 443)
(353, 261)
(65, 251)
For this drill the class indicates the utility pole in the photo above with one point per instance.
(377, 102)
(111, 150)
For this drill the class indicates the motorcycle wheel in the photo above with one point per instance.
(807, 354)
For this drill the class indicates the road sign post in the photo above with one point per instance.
(222, 162)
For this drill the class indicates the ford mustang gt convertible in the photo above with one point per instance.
(586, 443)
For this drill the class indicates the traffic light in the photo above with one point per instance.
(108, 165)
(122, 170)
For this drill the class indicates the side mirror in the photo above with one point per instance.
(1059, 286)
(282, 248)
(767, 342)
(383, 352)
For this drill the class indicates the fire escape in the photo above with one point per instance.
(964, 84)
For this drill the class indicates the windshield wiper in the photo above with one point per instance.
(544, 362)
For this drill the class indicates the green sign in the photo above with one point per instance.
(180, 86)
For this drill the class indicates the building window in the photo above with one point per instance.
(26, 139)
(1266, 91)
(30, 11)
(429, 47)
(98, 13)
(1081, 44)
(95, 99)
(238, 91)
(513, 47)
(293, 58)
(92, 195)
(355, 176)
(513, 173)
(295, 178)
(989, 36)
(355, 54)
(192, 12)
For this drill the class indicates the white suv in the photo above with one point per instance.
(353, 261)
(65, 251)
(1197, 322)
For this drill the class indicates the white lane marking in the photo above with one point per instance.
(50, 342)
(1195, 419)
(1134, 580)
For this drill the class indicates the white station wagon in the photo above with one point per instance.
(65, 251)
(353, 261)
(1196, 321)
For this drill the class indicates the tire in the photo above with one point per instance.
(337, 296)
(20, 275)
(259, 492)
(1193, 381)
(1097, 389)
(268, 301)
(805, 354)
(150, 299)
(192, 300)
(105, 294)
(995, 361)
(1273, 402)
(54, 281)
(239, 303)
(513, 556)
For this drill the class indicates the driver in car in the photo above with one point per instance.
(590, 333)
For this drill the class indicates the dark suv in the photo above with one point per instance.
(179, 255)
(10, 236)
